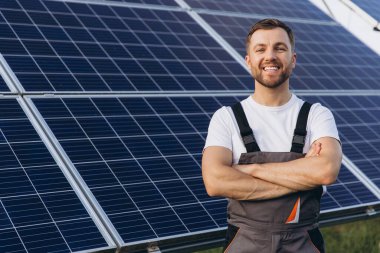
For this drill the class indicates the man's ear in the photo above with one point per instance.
(294, 59)
(248, 60)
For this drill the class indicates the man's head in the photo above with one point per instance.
(269, 24)
(270, 53)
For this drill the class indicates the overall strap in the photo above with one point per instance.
(300, 132)
(245, 131)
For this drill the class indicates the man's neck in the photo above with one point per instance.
(272, 97)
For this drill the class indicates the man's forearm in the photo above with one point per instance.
(231, 183)
(320, 166)
(221, 179)
(301, 174)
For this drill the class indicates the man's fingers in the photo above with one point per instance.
(315, 149)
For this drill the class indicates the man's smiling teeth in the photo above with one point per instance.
(271, 68)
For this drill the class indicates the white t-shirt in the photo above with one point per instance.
(273, 127)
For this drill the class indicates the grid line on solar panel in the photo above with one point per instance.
(372, 7)
(289, 8)
(121, 49)
(36, 200)
(328, 57)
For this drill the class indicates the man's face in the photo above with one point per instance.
(270, 57)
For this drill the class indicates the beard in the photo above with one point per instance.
(272, 83)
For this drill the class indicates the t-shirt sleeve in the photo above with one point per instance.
(219, 130)
(322, 124)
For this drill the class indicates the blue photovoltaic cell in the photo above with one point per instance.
(358, 121)
(274, 8)
(63, 46)
(321, 64)
(3, 85)
(142, 165)
(372, 7)
(36, 201)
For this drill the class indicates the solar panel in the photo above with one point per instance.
(63, 46)
(328, 57)
(146, 151)
(274, 8)
(37, 203)
(372, 7)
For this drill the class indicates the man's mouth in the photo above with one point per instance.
(271, 68)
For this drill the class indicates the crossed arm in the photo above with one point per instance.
(320, 166)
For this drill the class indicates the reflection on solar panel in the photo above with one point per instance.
(57, 46)
(155, 2)
(3, 85)
(278, 8)
(328, 56)
(36, 201)
(372, 7)
(147, 153)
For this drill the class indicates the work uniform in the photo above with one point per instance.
(284, 224)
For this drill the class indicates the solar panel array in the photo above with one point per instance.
(131, 167)
(372, 7)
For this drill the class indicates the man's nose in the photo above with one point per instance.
(270, 54)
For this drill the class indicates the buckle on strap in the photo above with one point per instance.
(299, 139)
(247, 139)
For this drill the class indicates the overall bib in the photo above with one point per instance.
(284, 224)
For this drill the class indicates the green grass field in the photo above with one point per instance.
(354, 237)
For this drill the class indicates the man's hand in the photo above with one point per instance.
(315, 150)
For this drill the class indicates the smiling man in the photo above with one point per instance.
(271, 154)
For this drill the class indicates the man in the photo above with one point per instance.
(254, 154)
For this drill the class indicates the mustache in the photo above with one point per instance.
(270, 63)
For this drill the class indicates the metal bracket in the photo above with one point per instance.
(153, 248)
(371, 211)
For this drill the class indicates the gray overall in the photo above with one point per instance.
(285, 224)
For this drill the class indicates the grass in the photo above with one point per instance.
(355, 237)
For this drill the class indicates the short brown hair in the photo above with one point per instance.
(269, 24)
